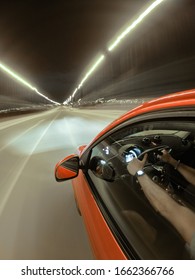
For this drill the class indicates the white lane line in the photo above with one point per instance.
(22, 134)
(11, 187)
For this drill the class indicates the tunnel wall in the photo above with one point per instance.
(157, 58)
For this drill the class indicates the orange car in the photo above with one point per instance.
(123, 221)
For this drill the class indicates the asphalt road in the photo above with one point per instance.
(38, 216)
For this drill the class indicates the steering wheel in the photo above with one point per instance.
(152, 158)
(156, 149)
(151, 150)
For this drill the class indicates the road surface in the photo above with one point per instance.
(38, 216)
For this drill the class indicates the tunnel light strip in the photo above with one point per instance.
(100, 59)
(74, 92)
(22, 81)
(135, 23)
(91, 70)
(117, 41)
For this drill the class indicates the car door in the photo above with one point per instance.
(139, 229)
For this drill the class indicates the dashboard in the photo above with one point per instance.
(181, 146)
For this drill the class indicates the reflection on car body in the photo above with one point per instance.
(119, 218)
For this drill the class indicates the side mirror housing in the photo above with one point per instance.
(102, 169)
(67, 169)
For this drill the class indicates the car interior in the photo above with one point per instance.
(147, 231)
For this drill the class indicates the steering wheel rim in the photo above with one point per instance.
(157, 148)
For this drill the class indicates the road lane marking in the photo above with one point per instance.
(12, 185)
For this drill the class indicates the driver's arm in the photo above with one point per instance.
(182, 218)
(187, 171)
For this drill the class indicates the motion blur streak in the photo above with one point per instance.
(19, 79)
(39, 219)
(115, 43)
(92, 69)
(135, 23)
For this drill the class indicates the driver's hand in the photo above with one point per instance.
(136, 164)
(165, 156)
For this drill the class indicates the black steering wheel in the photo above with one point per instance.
(152, 158)
(156, 149)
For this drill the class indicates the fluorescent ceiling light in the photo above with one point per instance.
(22, 81)
(135, 23)
(91, 70)
(118, 40)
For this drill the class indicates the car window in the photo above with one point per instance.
(145, 228)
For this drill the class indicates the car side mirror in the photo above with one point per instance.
(102, 169)
(67, 169)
